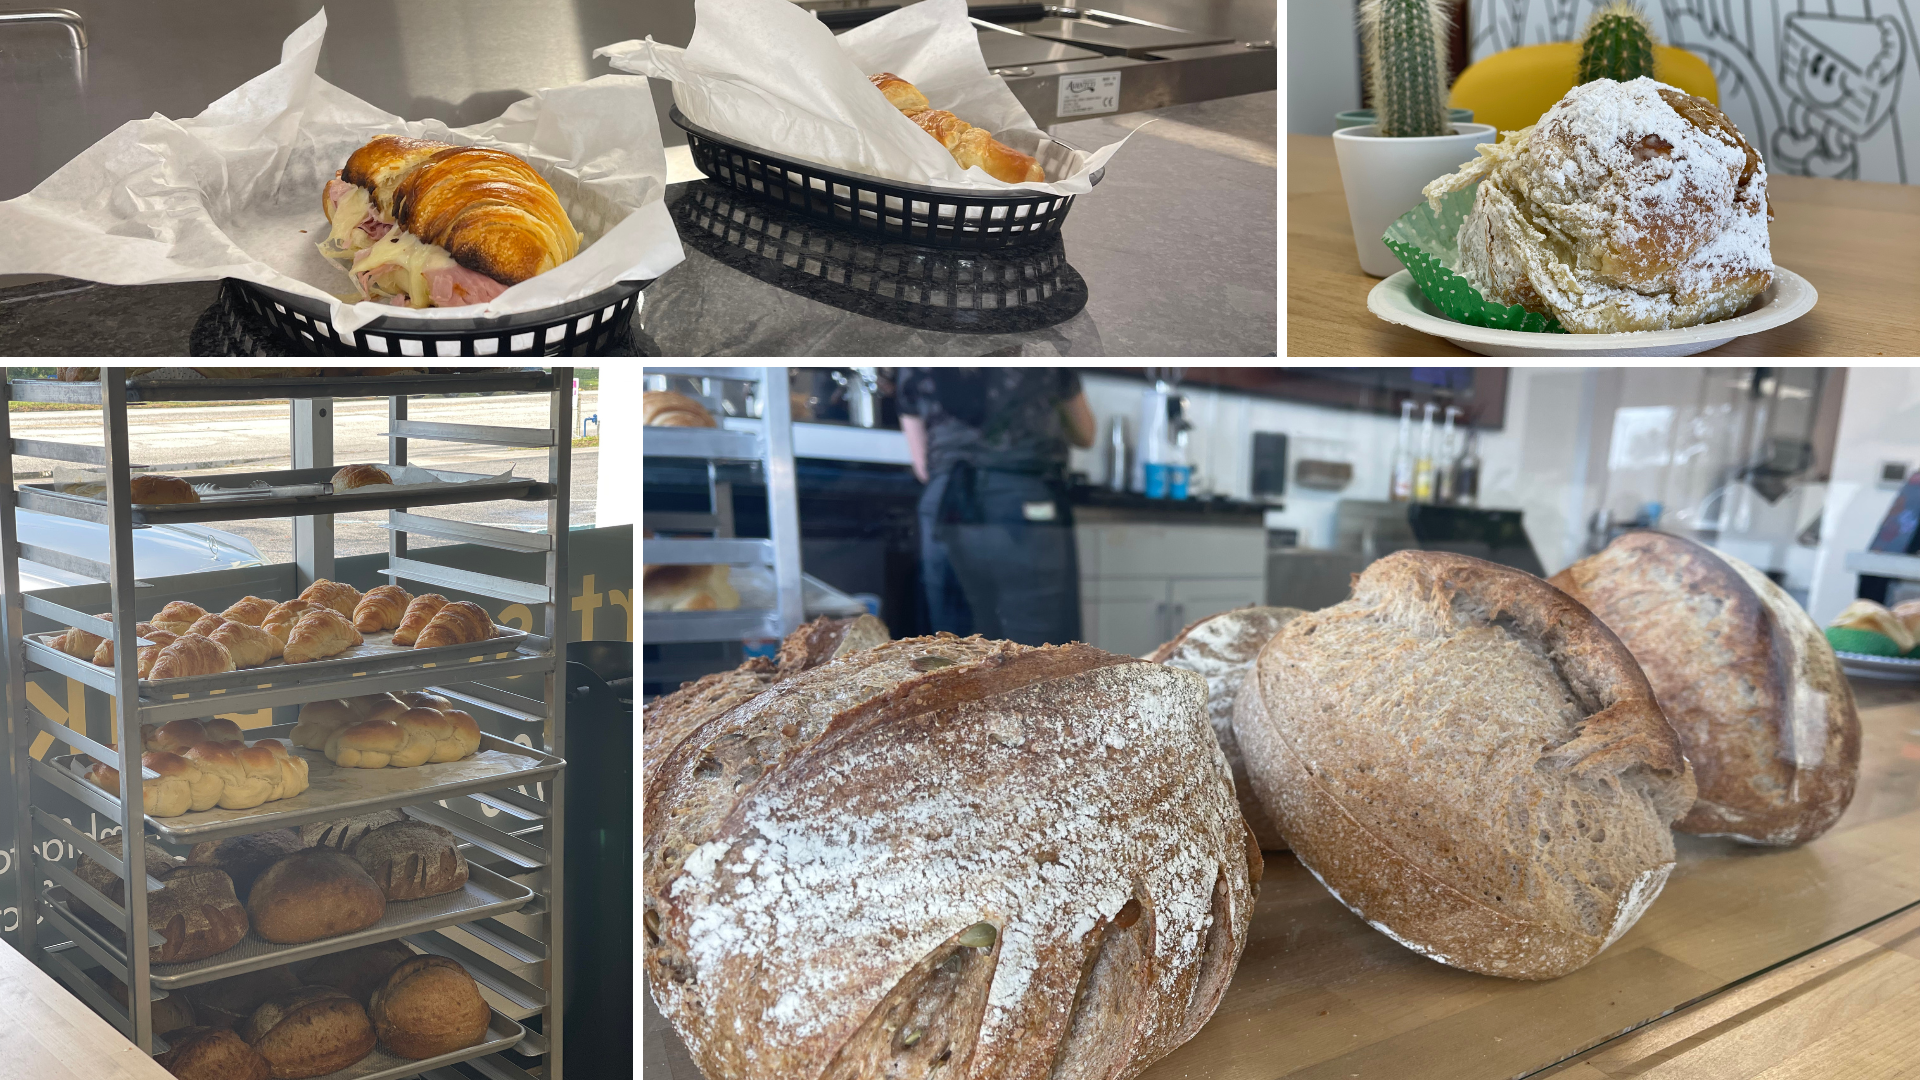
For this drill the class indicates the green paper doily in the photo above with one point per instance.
(1424, 239)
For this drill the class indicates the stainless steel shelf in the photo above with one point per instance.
(712, 625)
(503, 380)
(1884, 564)
(502, 1034)
(697, 552)
(485, 893)
(711, 443)
(333, 792)
(44, 498)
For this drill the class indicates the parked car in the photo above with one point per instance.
(158, 550)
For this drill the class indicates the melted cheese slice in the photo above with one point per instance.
(347, 213)
(412, 257)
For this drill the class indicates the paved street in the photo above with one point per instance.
(201, 441)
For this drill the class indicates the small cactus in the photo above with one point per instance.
(1617, 44)
(1406, 43)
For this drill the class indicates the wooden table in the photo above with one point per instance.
(48, 1034)
(1759, 955)
(1857, 242)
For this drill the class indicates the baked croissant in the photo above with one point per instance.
(357, 476)
(459, 623)
(252, 610)
(381, 608)
(419, 613)
(319, 634)
(103, 654)
(280, 620)
(77, 642)
(190, 655)
(337, 595)
(970, 146)
(148, 654)
(250, 646)
(205, 625)
(430, 224)
(178, 616)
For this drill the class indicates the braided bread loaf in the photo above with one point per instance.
(1011, 860)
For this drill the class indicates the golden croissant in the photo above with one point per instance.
(419, 614)
(459, 623)
(337, 595)
(189, 655)
(431, 224)
(972, 147)
(320, 633)
(381, 608)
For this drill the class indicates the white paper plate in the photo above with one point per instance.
(1787, 297)
(1878, 667)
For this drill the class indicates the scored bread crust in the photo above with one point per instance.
(1470, 761)
(818, 859)
(1221, 648)
(1745, 676)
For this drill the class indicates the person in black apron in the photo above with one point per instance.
(996, 530)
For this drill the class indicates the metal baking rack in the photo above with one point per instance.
(515, 861)
(772, 447)
(46, 498)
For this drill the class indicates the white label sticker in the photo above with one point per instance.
(1089, 95)
(1037, 511)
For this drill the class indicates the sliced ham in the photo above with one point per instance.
(452, 286)
(336, 190)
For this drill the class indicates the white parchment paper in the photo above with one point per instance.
(771, 75)
(229, 192)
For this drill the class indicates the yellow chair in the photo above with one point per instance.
(1512, 89)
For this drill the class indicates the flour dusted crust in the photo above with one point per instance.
(1470, 761)
(1745, 676)
(819, 861)
(1628, 206)
(1220, 648)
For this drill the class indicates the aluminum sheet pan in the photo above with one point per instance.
(47, 497)
(377, 654)
(334, 792)
(485, 893)
(1878, 667)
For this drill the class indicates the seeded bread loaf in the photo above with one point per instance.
(1469, 761)
(825, 639)
(962, 855)
(311, 1031)
(1745, 676)
(195, 909)
(1220, 648)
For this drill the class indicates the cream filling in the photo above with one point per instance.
(402, 261)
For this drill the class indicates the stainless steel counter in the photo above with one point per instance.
(462, 61)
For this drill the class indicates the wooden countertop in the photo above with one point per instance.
(1854, 240)
(48, 1034)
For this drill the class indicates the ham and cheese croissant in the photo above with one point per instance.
(381, 608)
(430, 224)
(972, 147)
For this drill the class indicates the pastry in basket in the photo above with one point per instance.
(411, 860)
(358, 972)
(459, 623)
(178, 616)
(419, 613)
(1869, 629)
(311, 1031)
(190, 655)
(280, 620)
(103, 653)
(180, 786)
(430, 224)
(429, 1006)
(212, 1053)
(381, 608)
(337, 595)
(245, 858)
(311, 894)
(249, 646)
(319, 634)
(972, 147)
(252, 610)
(1628, 206)
(359, 476)
(194, 910)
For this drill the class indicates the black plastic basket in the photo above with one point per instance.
(589, 326)
(889, 209)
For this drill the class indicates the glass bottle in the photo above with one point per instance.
(1445, 471)
(1466, 485)
(1402, 484)
(1423, 464)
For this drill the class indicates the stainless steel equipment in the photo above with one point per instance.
(504, 805)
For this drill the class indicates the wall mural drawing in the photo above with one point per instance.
(1819, 84)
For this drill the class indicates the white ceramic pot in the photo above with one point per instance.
(1383, 178)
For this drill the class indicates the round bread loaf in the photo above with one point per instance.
(228, 1002)
(340, 833)
(245, 858)
(429, 1006)
(1745, 676)
(170, 1013)
(1007, 859)
(411, 860)
(1469, 761)
(194, 910)
(213, 1053)
(311, 894)
(668, 719)
(1220, 648)
(358, 972)
(311, 1031)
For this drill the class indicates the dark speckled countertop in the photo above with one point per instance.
(1173, 253)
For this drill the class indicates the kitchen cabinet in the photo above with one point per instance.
(1141, 581)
